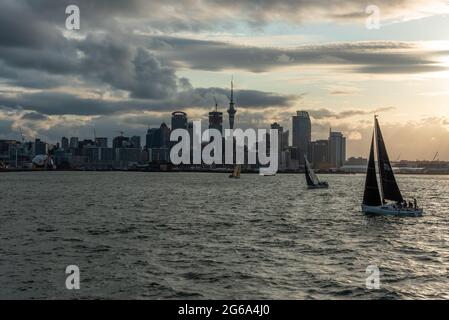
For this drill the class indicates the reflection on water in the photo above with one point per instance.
(184, 235)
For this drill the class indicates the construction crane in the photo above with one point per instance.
(436, 155)
(216, 104)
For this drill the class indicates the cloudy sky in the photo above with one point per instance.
(133, 62)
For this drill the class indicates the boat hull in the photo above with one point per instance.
(391, 210)
(318, 187)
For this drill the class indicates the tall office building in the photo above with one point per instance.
(302, 133)
(101, 142)
(216, 119)
(64, 143)
(178, 120)
(158, 137)
(120, 142)
(40, 147)
(280, 130)
(319, 154)
(74, 143)
(337, 149)
(135, 142)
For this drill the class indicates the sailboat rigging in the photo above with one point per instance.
(375, 198)
(312, 179)
(236, 173)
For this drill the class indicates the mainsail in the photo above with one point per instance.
(311, 177)
(390, 189)
(371, 196)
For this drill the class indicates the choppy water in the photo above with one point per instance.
(204, 236)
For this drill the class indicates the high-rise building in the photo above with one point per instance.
(120, 142)
(337, 149)
(280, 130)
(158, 138)
(64, 143)
(135, 142)
(302, 133)
(101, 142)
(164, 136)
(216, 119)
(232, 111)
(150, 138)
(284, 139)
(40, 147)
(178, 120)
(319, 154)
(74, 143)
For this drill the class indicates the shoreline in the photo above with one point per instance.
(212, 171)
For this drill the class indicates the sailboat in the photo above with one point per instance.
(312, 179)
(375, 200)
(236, 173)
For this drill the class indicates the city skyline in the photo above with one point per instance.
(126, 68)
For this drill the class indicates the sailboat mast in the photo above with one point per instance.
(376, 141)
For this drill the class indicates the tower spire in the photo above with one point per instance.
(231, 110)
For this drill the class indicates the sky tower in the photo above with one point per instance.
(231, 110)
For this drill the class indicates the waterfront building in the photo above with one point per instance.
(302, 133)
(64, 143)
(74, 142)
(135, 142)
(178, 120)
(120, 142)
(337, 149)
(319, 154)
(101, 142)
(216, 120)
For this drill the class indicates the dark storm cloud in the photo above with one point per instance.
(56, 103)
(193, 15)
(34, 116)
(365, 57)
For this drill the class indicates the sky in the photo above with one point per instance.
(132, 63)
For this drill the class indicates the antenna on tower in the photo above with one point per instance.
(95, 134)
(216, 104)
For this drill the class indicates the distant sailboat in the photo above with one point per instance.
(236, 173)
(311, 178)
(375, 200)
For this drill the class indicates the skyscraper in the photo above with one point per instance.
(302, 133)
(319, 154)
(231, 110)
(178, 120)
(101, 142)
(337, 149)
(74, 143)
(120, 142)
(135, 142)
(64, 143)
(280, 130)
(216, 119)
(151, 138)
